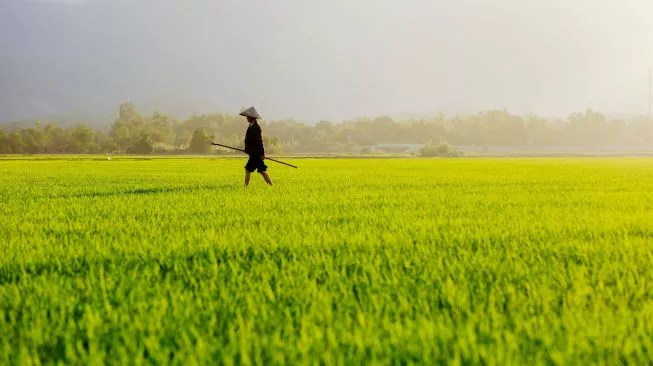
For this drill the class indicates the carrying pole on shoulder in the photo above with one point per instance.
(243, 151)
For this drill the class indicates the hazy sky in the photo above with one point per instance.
(329, 59)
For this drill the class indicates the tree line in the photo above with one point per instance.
(134, 133)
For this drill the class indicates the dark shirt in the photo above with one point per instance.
(254, 141)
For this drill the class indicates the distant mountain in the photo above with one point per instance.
(95, 121)
(15, 108)
(25, 112)
(177, 107)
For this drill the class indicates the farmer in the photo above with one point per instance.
(254, 146)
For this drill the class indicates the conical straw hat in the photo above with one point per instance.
(250, 112)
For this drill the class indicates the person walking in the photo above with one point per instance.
(254, 147)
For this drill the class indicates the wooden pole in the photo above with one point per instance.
(243, 151)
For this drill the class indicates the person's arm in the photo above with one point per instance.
(261, 149)
(248, 142)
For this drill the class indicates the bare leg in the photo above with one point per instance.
(247, 175)
(267, 178)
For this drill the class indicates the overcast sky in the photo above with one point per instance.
(330, 59)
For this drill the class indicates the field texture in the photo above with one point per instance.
(460, 261)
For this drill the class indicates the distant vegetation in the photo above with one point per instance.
(444, 150)
(133, 133)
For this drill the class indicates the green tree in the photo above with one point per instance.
(182, 138)
(16, 142)
(4, 142)
(82, 139)
(200, 142)
(58, 139)
(129, 128)
(160, 128)
(143, 147)
(127, 111)
(272, 144)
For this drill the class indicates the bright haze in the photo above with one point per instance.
(335, 59)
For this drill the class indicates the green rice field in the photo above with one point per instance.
(344, 261)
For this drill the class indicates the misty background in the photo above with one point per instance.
(325, 60)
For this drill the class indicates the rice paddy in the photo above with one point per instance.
(343, 261)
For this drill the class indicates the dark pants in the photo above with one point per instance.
(255, 163)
